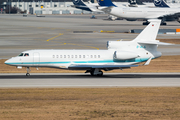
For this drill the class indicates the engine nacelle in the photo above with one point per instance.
(131, 19)
(117, 44)
(125, 55)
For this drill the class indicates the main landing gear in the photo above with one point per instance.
(146, 23)
(95, 71)
(28, 71)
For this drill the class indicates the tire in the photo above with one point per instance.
(27, 74)
(92, 73)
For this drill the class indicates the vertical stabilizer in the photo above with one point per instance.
(106, 3)
(160, 3)
(150, 32)
(78, 2)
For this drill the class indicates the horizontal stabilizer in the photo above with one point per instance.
(154, 43)
(100, 66)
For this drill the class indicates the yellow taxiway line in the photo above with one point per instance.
(55, 37)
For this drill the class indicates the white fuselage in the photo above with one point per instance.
(64, 58)
(142, 13)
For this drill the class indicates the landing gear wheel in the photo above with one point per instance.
(92, 73)
(163, 23)
(145, 23)
(28, 70)
(101, 73)
(27, 74)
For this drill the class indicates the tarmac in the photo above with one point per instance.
(73, 80)
(19, 33)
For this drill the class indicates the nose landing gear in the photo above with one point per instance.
(28, 71)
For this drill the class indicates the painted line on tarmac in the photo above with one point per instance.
(61, 43)
(70, 43)
(54, 37)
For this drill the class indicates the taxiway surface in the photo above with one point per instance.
(20, 33)
(85, 80)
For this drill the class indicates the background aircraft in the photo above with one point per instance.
(162, 3)
(134, 13)
(119, 55)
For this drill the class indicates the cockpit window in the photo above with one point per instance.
(21, 54)
(26, 54)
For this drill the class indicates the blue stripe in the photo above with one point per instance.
(98, 61)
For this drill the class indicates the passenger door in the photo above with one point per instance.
(36, 59)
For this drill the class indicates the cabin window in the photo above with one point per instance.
(91, 56)
(53, 56)
(64, 56)
(99, 56)
(79, 56)
(57, 56)
(94, 56)
(68, 56)
(60, 56)
(26, 54)
(21, 54)
(84, 56)
(72, 56)
(75, 56)
(87, 56)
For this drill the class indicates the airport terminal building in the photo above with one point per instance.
(51, 7)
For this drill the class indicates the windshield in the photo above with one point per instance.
(21, 54)
(26, 54)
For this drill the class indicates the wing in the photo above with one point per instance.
(86, 67)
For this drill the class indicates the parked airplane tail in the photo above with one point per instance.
(160, 3)
(107, 3)
(78, 2)
(134, 2)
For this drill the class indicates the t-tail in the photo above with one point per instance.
(107, 3)
(160, 3)
(149, 34)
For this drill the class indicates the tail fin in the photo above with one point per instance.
(78, 2)
(134, 2)
(106, 3)
(160, 3)
(150, 32)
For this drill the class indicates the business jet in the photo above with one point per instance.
(119, 55)
(135, 13)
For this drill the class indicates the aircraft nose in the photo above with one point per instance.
(7, 62)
